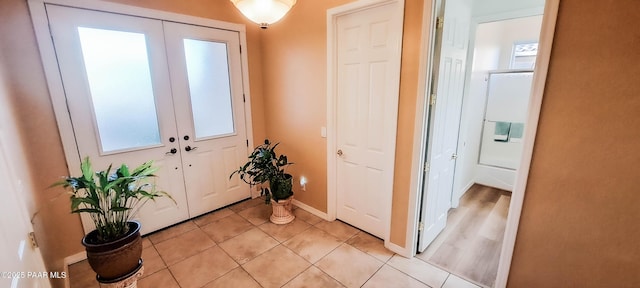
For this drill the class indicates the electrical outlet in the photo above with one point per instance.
(303, 183)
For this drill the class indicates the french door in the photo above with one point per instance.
(141, 89)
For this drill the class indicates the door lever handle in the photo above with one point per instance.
(339, 152)
(172, 151)
(189, 148)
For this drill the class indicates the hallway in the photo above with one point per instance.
(237, 247)
(470, 244)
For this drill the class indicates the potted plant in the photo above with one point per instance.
(266, 166)
(112, 199)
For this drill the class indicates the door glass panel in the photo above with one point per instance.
(117, 68)
(208, 74)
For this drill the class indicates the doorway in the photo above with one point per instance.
(364, 48)
(531, 118)
(140, 89)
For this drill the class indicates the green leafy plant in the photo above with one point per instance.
(265, 165)
(111, 199)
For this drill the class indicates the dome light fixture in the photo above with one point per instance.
(264, 12)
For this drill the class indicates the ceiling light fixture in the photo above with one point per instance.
(264, 12)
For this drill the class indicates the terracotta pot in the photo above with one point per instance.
(282, 211)
(117, 258)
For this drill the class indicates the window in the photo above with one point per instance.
(524, 55)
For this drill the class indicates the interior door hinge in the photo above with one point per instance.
(420, 226)
(247, 142)
(427, 167)
(32, 239)
(433, 99)
(240, 49)
(439, 22)
(244, 98)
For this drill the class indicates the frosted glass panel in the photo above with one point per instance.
(117, 69)
(208, 72)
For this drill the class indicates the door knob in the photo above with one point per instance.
(189, 148)
(340, 152)
(172, 151)
(454, 156)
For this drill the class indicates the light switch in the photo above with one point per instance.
(323, 132)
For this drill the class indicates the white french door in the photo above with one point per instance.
(124, 80)
(444, 122)
(205, 65)
(368, 55)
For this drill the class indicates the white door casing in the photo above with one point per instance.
(444, 121)
(18, 256)
(199, 160)
(367, 67)
(64, 23)
(214, 153)
(517, 200)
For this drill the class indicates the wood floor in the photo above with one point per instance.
(470, 245)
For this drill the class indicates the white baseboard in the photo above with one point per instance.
(75, 258)
(456, 202)
(402, 251)
(311, 210)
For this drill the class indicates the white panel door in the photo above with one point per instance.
(18, 257)
(118, 92)
(208, 99)
(368, 45)
(444, 121)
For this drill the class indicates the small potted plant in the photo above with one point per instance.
(266, 166)
(112, 199)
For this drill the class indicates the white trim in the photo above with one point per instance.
(515, 209)
(332, 16)
(419, 133)
(248, 118)
(54, 79)
(535, 103)
(311, 210)
(404, 252)
(54, 83)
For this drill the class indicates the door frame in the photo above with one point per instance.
(475, 21)
(54, 78)
(535, 102)
(332, 17)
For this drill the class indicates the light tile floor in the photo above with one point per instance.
(238, 247)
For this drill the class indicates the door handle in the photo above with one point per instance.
(454, 156)
(172, 151)
(339, 152)
(189, 148)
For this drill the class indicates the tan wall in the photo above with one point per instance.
(579, 224)
(580, 220)
(42, 163)
(295, 87)
(289, 56)
(59, 232)
(406, 119)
